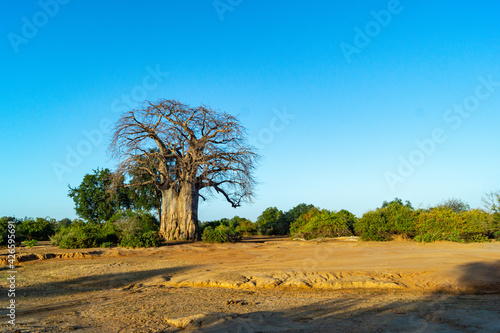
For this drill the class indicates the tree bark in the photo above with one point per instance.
(179, 216)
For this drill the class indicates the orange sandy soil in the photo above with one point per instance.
(258, 285)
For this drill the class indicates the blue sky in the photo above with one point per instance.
(350, 103)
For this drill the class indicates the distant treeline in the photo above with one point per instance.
(452, 220)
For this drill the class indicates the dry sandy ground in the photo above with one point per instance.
(259, 285)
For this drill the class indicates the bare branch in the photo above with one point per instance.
(175, 145)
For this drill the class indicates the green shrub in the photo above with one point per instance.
(349, 218)
(494, 226)
(323, 223)
(392, 218)
(444, 224)
(146, 239)
(40, 228)
(220, 234)
(135, 229)
(65, 222)
(213, 224)
(246, 228)
(373, 226)
(269, 222)
(30, 243)
(302, 220)
(284, 221)
(82, 235)
(4, 228)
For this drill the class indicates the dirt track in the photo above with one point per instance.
(266, 285)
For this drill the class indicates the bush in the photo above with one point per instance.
(269, 222)
(146, 239)
(227, 230)
(212, 224)
(4, 228)
(30, 243)
(135, 229)
(323, 223)
(220, 234)
(82, 235)
(40, 229)
(284, 221)
(494, 227)
(302, 220)
(65, 222)
(246, 228)
(373, 226)
(444, 224)
(392, 218)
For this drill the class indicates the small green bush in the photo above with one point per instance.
(302, 220)
(220, 234)
(393, 218)
(82, 235)
(323, 223)
(494, 226)
(373, 226)
(135, 229)
(213, 224)
(40, 228)
(30, 243)
(4, 228)
(284, 222)
(146, 239)
(246, 228)
(270, 222)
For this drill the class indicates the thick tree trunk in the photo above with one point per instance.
(179, 216)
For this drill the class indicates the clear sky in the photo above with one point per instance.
(349, 102)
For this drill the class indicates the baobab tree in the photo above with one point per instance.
(187, 153)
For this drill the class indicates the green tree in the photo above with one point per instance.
(144, 197)
(40, 228)
(349, 218)
(323, 223)
(397, 201)
(443, 223)
(94, 199)
(4, 227)
(65, 222)
(285, 220)
(267, 222)
(244, 226)
(135, 228)
(393, 218)
(238, 224)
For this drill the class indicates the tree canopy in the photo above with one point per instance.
(182, 151)
(94, 200)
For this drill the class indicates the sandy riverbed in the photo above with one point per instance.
(260, 285)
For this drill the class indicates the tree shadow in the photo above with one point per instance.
(101, 282)
(480, 277)
(178, 242)
(25, 257)
(473, 306)
(262, 239)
